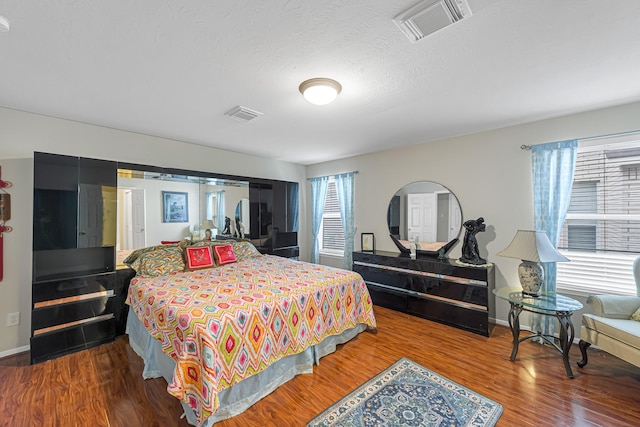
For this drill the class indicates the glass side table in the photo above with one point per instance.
(556, 305)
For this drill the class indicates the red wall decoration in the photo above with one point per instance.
(5, 215)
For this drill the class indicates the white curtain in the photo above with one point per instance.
(319, 188)
(344, 189)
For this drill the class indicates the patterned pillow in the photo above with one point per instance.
(136, 254)
(244, 250)
(636, 315)
(165, 260)
(224, 254)
(199, 257)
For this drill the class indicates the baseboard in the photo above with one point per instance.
(13, 351)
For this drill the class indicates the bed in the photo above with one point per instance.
(234, 327)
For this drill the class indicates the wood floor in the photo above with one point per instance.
(103, 386)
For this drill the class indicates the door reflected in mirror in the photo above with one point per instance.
(426, 213)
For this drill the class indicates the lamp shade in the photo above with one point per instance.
(320, 91)
(207, 223)
(4, 24)
(535, 246)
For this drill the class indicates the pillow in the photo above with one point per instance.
(244, 250)
(241, 249)
(211, 242)
(138, 252)
(160, 262)
(224, 254)
(636, 315)
(199, 257)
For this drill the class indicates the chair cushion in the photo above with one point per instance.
(624, 330)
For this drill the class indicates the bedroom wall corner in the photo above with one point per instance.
(15, 287)
(487, 171)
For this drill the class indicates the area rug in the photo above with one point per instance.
(408, 394)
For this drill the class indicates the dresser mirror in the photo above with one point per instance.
(427, 213)
(209, 200)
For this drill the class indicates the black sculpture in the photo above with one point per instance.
(470, 254)
(227, 225)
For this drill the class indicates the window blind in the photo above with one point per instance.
(332, 231)
(601, 233)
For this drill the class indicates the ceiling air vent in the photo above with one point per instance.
(429, 16)
(243, 114)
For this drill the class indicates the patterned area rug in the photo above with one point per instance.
(407, 394)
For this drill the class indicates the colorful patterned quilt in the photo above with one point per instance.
(224, 324)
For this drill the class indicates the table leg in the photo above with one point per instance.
(567, 334)
(514, 324)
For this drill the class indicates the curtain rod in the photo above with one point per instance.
(631, 132)
(334, 174)
(610, 134)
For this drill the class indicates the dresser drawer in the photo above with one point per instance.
(444, 291)
(60, 289)
(56, 343)
(388, 298)
(469, 318)
(460, 289)
(59, 315)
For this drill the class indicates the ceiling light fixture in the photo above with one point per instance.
(320, 91)
(4, 24)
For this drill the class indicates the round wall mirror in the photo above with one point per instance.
(425, 212)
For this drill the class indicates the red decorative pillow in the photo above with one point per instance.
(199, 257)
(224, 254)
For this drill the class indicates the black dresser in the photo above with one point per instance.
(75, 287)
(440, 290)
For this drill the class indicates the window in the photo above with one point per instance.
(211, 207)
(331, 234)
(581, 233)
(601, 233)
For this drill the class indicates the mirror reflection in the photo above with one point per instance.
(208, 201)
(242, 218)
(427, 213)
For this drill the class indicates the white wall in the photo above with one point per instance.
(488, 172)
(15, 287)
(23, 133)
(156, 230)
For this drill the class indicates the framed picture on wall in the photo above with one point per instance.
(367, 242)
(175, 206)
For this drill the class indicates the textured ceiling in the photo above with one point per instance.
(172, 69)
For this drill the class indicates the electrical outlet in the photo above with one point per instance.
(13, 319)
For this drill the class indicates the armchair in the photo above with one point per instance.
(610, 327)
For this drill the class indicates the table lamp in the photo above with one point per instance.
(207, 224)
(532, 247)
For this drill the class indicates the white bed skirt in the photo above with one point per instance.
(238, 398)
